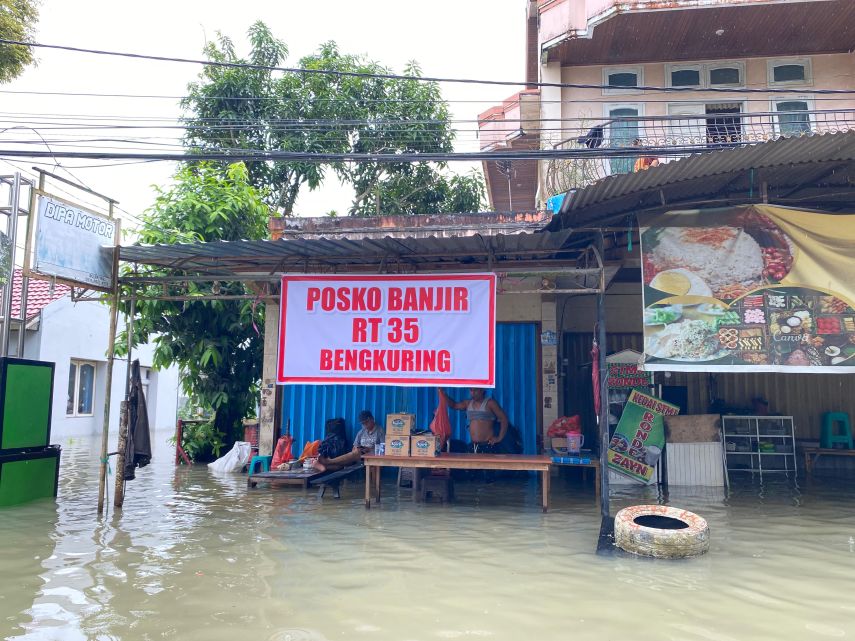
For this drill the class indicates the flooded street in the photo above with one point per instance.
(198, 557)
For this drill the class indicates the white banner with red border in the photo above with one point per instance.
(388, 330)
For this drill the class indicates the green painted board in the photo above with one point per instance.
(28, 478)
(25, 404)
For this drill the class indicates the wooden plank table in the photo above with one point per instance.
(585, 462)
(519, 462)
(300, 478)
(813, 453)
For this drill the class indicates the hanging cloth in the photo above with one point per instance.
(138, 445)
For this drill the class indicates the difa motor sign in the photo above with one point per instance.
(76, 218)
(394, 330)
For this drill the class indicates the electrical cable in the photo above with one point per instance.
(392, 76)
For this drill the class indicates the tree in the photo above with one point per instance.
(17, 22)
(217, 343)
(234, 108)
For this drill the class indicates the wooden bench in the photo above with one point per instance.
(333, 480)
(813, 453)
(300, 478)
(532, 463)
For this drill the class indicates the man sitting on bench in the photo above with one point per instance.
(367, 437)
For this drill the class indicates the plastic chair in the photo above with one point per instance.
(264, 461)
(835, 429)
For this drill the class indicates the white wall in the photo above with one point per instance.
(70, 330)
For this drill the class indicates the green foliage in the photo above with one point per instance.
(202, 441)
(217, 343)
(17, 22)
(322, 114)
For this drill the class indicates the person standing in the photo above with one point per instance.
(482, 413)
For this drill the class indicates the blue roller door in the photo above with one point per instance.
(307, 407)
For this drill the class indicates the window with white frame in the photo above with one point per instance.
(790, 71)
(725, 74)
(713, 74)
(81, 388)
(685, 76)
(621, 80)
(793, 117)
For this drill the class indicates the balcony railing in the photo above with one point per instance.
(666, 138)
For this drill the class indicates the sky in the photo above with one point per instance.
(449, 38)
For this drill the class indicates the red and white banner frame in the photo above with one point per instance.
(299, 361)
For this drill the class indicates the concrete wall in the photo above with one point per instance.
(80, 331)
(623, 310)
(831, 71)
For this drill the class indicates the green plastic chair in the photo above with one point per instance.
(263, 461)
(835, 429)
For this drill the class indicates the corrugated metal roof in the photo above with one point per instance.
(324, 254)
(812, 171)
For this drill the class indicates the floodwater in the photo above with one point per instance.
(193, 556)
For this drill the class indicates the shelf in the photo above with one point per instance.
(759, 435)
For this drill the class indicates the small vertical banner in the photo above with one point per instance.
(639, 438)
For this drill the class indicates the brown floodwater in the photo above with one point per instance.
(194, 556)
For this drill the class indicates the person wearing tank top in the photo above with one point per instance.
(482, 413)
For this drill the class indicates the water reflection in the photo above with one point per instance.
(194, 556)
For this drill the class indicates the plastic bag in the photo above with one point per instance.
(234, 460)
(441, 424)
(282, 452)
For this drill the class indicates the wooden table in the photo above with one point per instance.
(585, 462)
(813, 453)
(523, 462)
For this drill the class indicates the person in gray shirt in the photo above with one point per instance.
(367, 437)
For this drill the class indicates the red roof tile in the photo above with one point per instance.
(39, 295)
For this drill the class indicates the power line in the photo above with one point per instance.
(393, 76)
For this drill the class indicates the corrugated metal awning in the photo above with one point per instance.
(812, 171)
(360, 255)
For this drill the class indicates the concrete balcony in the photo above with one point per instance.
(583, 32)
(601, 149)
(517, 116)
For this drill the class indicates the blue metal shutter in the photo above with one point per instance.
(517, 373)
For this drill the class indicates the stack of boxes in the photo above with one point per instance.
(29, 466)
(400, 440)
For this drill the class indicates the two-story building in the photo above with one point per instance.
(684, 75)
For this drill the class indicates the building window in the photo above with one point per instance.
(81, 388)
(789, 72)
(623, 132)
(686, 77)
(725, 76)
(793, 117)
(622, 80)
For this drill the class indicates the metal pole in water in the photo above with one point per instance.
(108, 387)
(603, 418)
(119, 492)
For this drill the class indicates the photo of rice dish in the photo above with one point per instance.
(720, 256)
(692, 340)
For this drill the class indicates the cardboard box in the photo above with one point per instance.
(400, 424)
(397, 445)
(425, 445)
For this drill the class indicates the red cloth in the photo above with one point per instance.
(282, 453)
(441, 424)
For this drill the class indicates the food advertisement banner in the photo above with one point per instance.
(391, 330)
(639, 437)
(622, 375)
(757, 287)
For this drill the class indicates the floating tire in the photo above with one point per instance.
(662, 532)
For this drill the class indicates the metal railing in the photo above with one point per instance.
(671, 137)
